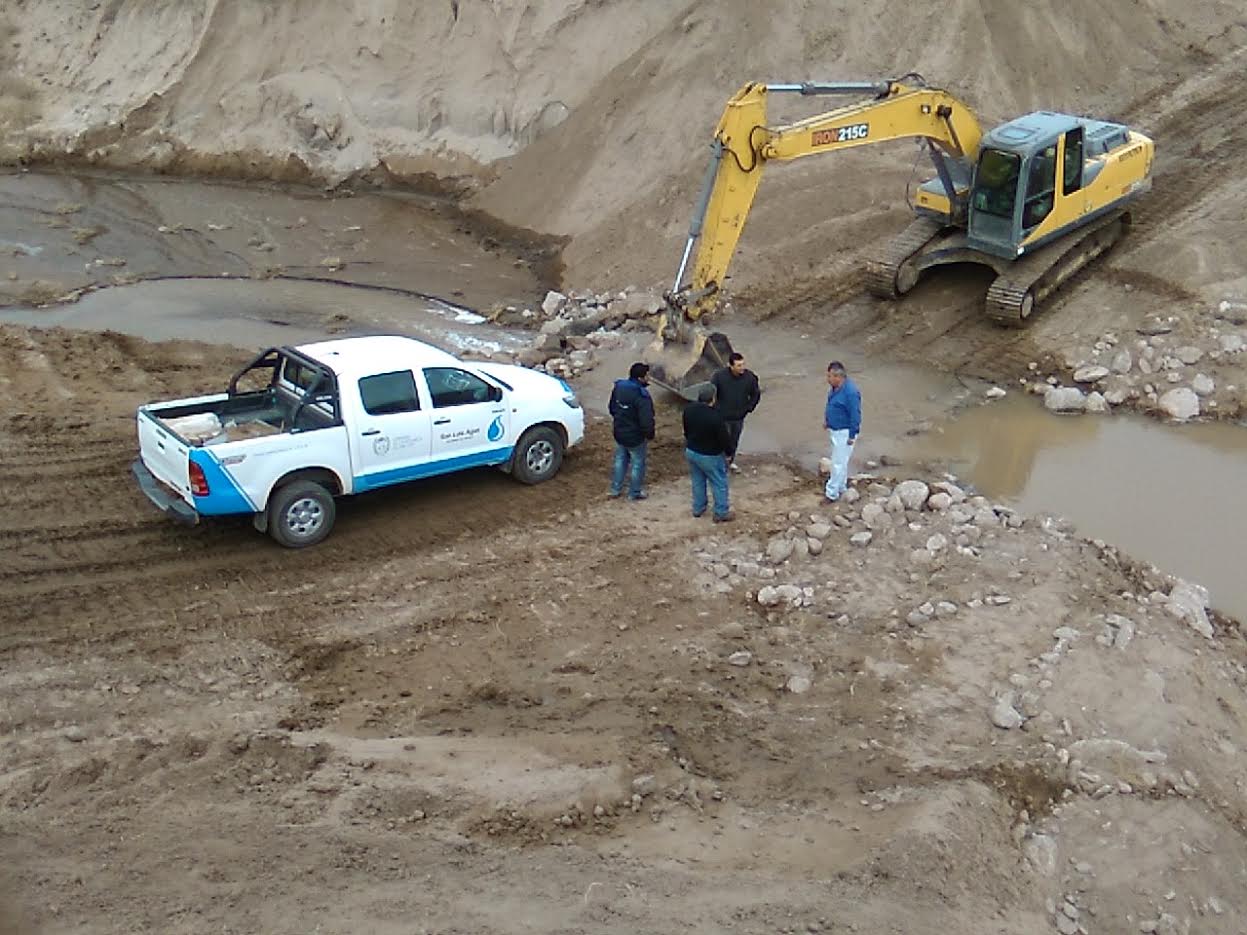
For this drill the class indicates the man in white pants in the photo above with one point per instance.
(843, 420)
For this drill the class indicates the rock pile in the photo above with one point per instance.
(571, 328)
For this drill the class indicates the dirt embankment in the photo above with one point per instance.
(578, 119)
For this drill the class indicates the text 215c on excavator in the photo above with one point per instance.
(1035, 199)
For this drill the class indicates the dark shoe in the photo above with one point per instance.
(831, 499)
(725, 518)
(640, 496)
(699, 515)
(613, 495)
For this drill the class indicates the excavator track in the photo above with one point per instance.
(1015, 294)
(882, 276)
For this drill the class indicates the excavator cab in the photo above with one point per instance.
(1031, 180)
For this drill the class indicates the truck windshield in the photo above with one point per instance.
(996, 183)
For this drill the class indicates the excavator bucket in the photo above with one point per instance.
(684, 366)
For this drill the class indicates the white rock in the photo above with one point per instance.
(850, 496)
(1040, 851)
(815, 546)
(1122, 362)
(945, 609)
(553, 303)
(1189, 355)
(1123, 636)
(1065, 399)
(818, 530)
(916, 618)
(1189, 603)
(939, 502)
(955, 493)
(986, 516)
(861, 538)
(994, 392)
(1231, 344)
(1004, 715)
(875, 517)
(779, 550)
(1116, 395)
(913, 494)
(937, 542)
(740, 658)
(1096, 403)
(1180, 404)
(799, 684)
(1090, 374)
(1203, 385)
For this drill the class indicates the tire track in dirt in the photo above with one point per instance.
(89, 556)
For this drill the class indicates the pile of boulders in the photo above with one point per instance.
(571, 328)
(1161, 370)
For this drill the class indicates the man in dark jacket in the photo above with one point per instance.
(632, 410)
(706, 442)
(737, 394)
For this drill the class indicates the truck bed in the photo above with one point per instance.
(218, 419)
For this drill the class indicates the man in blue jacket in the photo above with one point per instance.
(632, 410)
(843, 420)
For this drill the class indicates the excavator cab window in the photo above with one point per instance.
(1040, 187)
(1071, 177)
(996, 183)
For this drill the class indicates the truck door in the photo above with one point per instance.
(390, 441)
(470, 419)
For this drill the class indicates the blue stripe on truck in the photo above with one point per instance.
(432, 468)
(225, 496)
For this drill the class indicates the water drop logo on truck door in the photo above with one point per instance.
(496, 431)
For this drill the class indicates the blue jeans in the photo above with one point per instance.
(712, 469)
(636, 476)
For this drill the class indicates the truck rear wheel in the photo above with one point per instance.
(538, 455)
(300, 514)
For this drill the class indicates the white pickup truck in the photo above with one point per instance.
(300, 426)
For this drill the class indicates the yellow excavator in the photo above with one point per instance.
(1034, 199)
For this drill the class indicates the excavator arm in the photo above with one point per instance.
(743, 144)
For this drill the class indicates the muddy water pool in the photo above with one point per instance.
(1175, 495)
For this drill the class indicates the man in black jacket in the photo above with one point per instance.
(706, 441)
(632, 410)
(737, 394)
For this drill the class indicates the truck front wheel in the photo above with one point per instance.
(300, 514)
(538, 455)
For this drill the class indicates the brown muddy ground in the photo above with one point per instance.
(487, 708)
(443, 719)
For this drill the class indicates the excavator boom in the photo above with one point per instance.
(742, 144)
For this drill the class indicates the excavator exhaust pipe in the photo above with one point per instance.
(684, 366)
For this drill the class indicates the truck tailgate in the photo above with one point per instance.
(165, 456)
